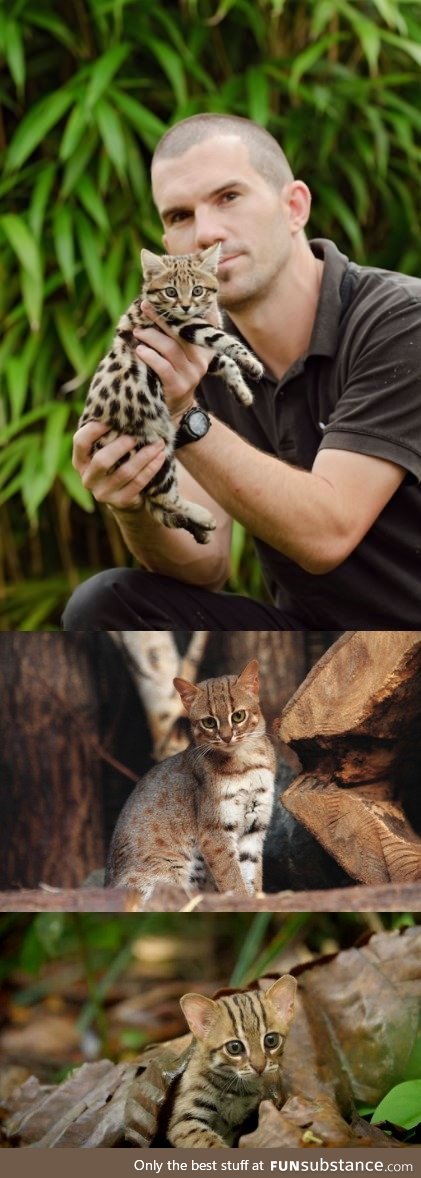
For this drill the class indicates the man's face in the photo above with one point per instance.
(212, 193)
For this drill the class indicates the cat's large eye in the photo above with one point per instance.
(171, 292)
(272, 1040)
(235, 1047)
(208, 722)
(238, 717)
(197, 290)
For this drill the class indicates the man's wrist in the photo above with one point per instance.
(178, 413)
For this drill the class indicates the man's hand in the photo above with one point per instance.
(180, 366)
(121, 488)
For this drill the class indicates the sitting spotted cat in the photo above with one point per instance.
(127, 395)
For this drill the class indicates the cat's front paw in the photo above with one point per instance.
(247, 361)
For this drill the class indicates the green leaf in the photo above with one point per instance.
(35, 126)
(90, 250)
(93, 204)
(172, 65)
(70, 339)
(258, 95)
(74, 487)
(33, 297)
(22, 242)
(103, 71)
(13, 48)
(52, 441)
(40, 198)
(112, 135)
(304, 61)
(63, 241)
(77, 164)
(335, 203)
(74, 129)
(401, 1106)
(149, 127)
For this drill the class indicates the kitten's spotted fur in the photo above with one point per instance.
(127, 395)
(198, 820)
(235, 1063)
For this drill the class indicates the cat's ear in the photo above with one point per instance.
(209, 257)
(249, 678)
(282, 997)
(152, 264)
(187, 691)
(200, 1013)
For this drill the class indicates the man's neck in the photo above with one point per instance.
(279, 326)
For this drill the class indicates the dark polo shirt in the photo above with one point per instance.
(357, 388)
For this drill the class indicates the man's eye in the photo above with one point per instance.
(229, 196)
(180, 216)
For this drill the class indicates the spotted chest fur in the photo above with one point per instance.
(235, 1063)
(199, 819)
(127, 395)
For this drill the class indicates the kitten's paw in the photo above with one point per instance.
(247, 361)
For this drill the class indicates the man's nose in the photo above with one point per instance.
(208, 230)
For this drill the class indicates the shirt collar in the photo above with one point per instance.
(323, 340)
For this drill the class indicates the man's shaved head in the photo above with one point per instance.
(265, 154)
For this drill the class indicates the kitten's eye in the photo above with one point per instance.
(235, 1047)
(208, 722)
(171, 292)
(238, 717)
(197, 290)
(272, 1039)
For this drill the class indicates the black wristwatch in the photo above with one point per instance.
(194, 424)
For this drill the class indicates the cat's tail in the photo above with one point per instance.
(183, 514)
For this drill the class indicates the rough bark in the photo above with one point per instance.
(384, 898)
(348, 723)
(50, 774)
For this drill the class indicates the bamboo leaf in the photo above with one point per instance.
(40, 198)
(401, 1106)
(172, 65)
(73, 132)
(149, 127)
(70, 340)
(52, 441)
(333, 201)
(112, 135)
(258, 95)
(74, 487)
(22, 242)
(63, 241)
(33, 297)
(77, 164)
(92, 202)
(35, 126)
(13, 48)
(89, 248)
(103, 71)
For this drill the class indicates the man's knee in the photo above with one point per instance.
(90, 606)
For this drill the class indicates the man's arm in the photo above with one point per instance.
(171, 552)
(317, 517)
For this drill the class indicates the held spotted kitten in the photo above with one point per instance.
(198, 820)
(234, 1065)
(127, 395)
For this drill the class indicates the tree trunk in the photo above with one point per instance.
(50, 770)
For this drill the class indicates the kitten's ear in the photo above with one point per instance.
(187, 692)
(249, 678)
(151, 263)
(200, 1013)
(282, 997)
(209, 258)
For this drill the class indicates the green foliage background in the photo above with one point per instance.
(89, 86)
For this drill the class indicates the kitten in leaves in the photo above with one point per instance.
(198, 820)
(235, 1063)
(127, 395)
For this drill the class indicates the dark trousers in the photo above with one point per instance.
(130, 599)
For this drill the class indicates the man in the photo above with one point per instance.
(324, 468)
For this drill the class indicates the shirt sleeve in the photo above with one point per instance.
(378, 411)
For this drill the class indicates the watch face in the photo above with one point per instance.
(197, 422)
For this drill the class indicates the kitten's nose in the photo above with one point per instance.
(258, 1065)
(185, 308)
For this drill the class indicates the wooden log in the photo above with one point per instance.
(405, 897)
(348, 723)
